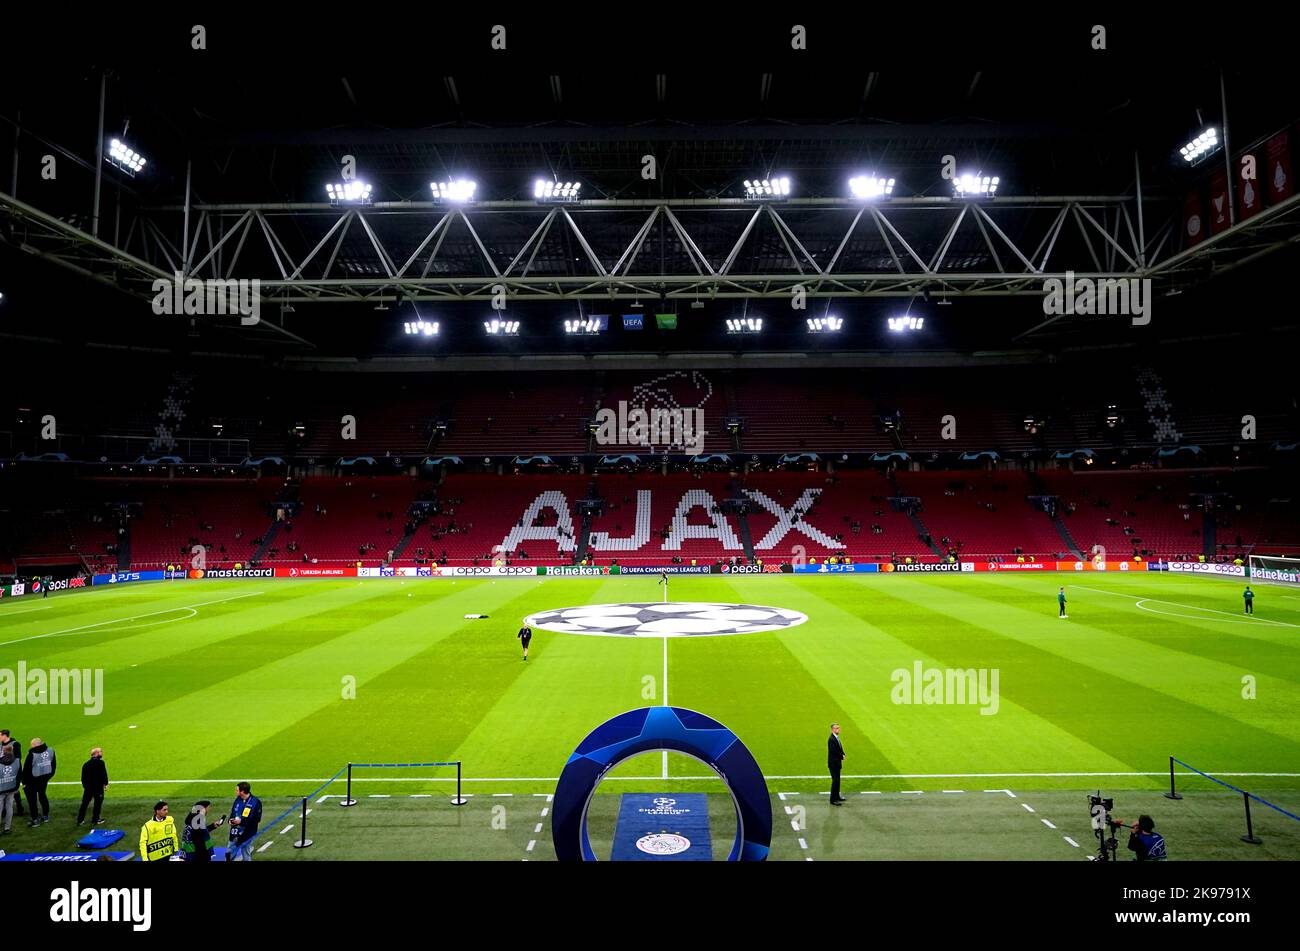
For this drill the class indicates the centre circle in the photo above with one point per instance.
(666, 619)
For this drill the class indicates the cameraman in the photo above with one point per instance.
(1145, 842)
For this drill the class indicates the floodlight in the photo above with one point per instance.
(457, 190)
(499, 328)
(977, 185)
(125, 158)
(544, 190)
(744, 325)
(421, 328)
(353, 191)
(594, 324)
(906, 323)
(817, 325)
(767, 189)
(868, 186)
(1201, 146)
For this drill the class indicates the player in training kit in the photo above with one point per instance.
(1248, 596)
(525, 635)
(1060, 600)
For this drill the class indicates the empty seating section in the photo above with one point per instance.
(225, 518)
(522, 413)
(687, 390)
(1214, 414)
(790, 412)
(338, 518)
(652, 518)
(301, 413)
(845, 410)
(390, 413)
(1126, 512)
(230, 408)
(982, 513)
(93, 537)
(63, 536)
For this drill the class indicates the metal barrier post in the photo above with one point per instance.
(1173, 793)
(347, 799)
(303, 842)
(1249, 837)
(459, 800)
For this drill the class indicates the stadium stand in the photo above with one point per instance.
(677, 516)
(652, 518)
(476, 514)
(852, 509)
(1128, 513)
(983, 513)
(227, 518)
(345, 520)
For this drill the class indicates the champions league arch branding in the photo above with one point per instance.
(661, 728)
(667, 619)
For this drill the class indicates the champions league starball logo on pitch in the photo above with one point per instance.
(671, 619)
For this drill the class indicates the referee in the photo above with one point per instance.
(525, 635)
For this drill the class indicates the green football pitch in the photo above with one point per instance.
(283, 683)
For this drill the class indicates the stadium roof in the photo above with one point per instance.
(239, 160)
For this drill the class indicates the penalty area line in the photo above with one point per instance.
(1238, 618)
(134, 617)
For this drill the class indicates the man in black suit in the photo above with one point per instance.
(834, 760)
(94, 784)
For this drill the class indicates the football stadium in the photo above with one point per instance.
(500, 460)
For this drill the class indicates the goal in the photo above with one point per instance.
(1268, 569)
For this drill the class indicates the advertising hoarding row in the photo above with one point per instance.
(597, 571)
(1205, 568)
(126, 577)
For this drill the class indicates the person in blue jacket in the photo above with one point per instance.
(245, 817)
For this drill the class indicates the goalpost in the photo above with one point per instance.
(1272, 569)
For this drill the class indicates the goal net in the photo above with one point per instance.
(1267, 569)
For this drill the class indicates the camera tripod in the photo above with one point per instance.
(1103, 825)
(1107, 847)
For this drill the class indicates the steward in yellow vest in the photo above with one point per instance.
(158, 838)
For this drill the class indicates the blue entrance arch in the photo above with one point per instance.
(661, 728)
